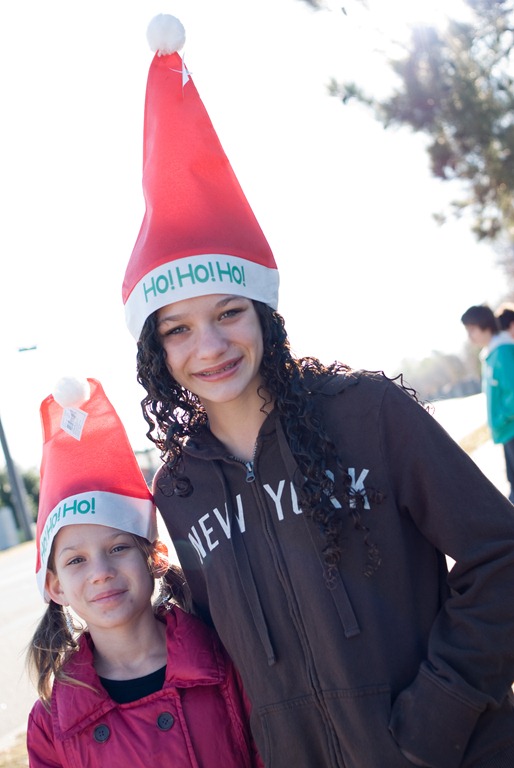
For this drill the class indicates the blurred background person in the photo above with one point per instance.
(497, 365)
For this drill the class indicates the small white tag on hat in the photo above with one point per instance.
(73, 420)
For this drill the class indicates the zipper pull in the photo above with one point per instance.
(250, 475)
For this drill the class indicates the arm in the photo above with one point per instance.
(470, 657)
(40, 740)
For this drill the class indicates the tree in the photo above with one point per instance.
(443, 375)
(31, 482)
(456, 87)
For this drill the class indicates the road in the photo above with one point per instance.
(21, 606)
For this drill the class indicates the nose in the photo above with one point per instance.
(101, 569)
(212, 342)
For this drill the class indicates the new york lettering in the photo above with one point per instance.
(205, 535)
(357, 486)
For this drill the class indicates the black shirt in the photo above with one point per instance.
(124, 691)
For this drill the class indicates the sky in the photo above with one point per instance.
(367, 277)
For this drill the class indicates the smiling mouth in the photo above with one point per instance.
(227, 367)
(107, 596)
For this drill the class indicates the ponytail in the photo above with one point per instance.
(174, 590)
(53, 643)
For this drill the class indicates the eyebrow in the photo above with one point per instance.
(75, 547)
(179, 316)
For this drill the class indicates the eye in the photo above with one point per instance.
(75, 560)
(120, 548)
(179, 329)
(233, 312)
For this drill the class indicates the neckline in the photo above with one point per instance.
(245, 461)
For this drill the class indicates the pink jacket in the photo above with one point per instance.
(199, 719)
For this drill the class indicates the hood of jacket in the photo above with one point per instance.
(498, 340)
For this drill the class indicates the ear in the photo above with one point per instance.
(54, 589)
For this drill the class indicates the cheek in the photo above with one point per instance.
(170, 358)
(259, 348)
(168, 366)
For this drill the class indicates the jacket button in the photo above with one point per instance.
(165, 721)
(101, 733)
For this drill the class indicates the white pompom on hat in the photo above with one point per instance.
(166, 34)
(71, 393)
(199, 235)
(89, 472)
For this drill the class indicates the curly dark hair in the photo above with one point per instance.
(174, 413)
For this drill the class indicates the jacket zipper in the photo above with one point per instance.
(250, 474)
(332, 742)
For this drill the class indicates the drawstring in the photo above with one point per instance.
(338, 589)
(340, 595)
(289, 460)
(246, 575)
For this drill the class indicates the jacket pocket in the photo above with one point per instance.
(337, 729)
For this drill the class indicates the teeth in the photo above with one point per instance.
(219, 370)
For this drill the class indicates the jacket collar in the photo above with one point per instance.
(498, 340)
(193, 659)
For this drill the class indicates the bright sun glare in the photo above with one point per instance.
(397, 16)
(394, 19)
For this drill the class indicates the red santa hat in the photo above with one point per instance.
(199, 235)
(89, 473)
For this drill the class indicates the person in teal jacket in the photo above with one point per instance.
(497, 359)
